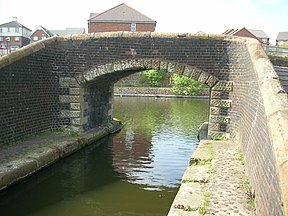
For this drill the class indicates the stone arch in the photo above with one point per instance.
(82, 85)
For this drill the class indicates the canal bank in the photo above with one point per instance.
(156, 92)
(20, 160)
(214, 183)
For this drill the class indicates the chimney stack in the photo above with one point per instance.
(15, 18)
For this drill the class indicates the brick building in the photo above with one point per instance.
(13, 35)
(257, 34)
(120, 18)
(42, 33)
(282, 39)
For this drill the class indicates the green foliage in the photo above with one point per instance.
(189, 208)
(58, 129)
(279, 60)
(152, 77)
(73, 133)
(240, 156)
(183, 85)
(216, 138)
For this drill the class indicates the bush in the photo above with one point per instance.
(279, 60)
(152, 77)
(183, 85)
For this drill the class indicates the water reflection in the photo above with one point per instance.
(157, 140)
(135, 172)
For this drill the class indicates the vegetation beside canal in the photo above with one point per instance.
(177, 84)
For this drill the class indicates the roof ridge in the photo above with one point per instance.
(106, 11)
(121, 12)
(139, 12)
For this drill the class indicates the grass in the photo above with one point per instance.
(202, 208)
(251, 196)
(74, 133)
(248, 188)
(240, 156)
(216, 138)
(189, 208)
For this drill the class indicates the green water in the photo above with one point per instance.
(134, 172)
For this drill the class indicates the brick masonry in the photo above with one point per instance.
(114, 26)
(68, 82)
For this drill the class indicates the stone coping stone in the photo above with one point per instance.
(28, 163)
(191, 194)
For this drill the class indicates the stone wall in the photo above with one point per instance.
(142, 91)
(68, 82)
(250, 119)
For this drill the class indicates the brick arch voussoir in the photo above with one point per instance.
(219, 117)
(171, 67)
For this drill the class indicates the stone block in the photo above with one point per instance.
(44, 156)
(75, 106)
(15, 171)
(220, 119)
(155, 64)
(74, 91)
(171, 67)
(223, 86)
(69, 114)
(76, 121)
(117, 66)
(101, 69)
(69, 99)
(216, 94)
(203, 77)
(126, 65)
(66, 148)
(109, 67)
(211, 81)
(187, 71)
(221, 103)
(163, 65)
(80, 79)
(219, 135)
(195, 74)
(68, 82)
(147, 63)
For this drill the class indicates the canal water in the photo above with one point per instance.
(134, 172)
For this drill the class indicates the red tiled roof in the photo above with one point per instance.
(120, 13)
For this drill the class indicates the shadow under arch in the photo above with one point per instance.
(96, 92)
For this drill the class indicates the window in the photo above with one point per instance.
(17, 38)
(8, 29)
(17, 30)
(133, 27)
(264, 40)
(35, 38)
(0, 30)
(1, 38)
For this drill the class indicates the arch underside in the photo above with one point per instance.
(102, 77)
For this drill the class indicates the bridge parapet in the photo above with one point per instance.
(69, 82)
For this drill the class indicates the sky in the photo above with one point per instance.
(181, 16)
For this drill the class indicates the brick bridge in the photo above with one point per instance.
(68, 82)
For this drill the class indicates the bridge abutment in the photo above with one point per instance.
(85, 107)
(52, 84)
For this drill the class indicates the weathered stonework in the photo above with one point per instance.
(68, 82)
